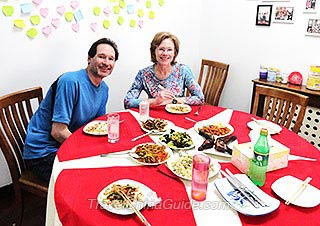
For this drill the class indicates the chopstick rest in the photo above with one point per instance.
(299, 191)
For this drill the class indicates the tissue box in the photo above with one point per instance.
(242, 155)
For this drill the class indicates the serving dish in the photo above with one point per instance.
(150, 154)
(177, 140)
(96, 127)
(156, 126)
(181, 166)
(216, 129)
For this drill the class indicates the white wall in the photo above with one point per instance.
(229, 34)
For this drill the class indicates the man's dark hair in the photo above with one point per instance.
(93, 49)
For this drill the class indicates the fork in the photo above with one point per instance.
(197, 112)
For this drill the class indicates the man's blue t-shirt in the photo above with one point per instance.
(77, 102)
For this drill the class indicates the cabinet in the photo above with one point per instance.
(310, 128)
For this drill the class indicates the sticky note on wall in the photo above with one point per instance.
(19, 24)
(26, 8)
(32, 33)
(7, 10)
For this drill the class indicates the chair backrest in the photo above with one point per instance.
(212, 78)
(16, 110)
(280, 106)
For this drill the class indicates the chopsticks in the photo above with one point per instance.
(244, 190)
(299, 191)
(139, 214)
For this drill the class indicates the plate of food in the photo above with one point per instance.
(150, 154)
(177, 140)
(178, 108)
(96, 127)
(215, 129)
(181, 166)
(112, 201)
(156, 126)
(270, 126)
(238, 202)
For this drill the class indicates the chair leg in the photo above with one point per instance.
(19, 205)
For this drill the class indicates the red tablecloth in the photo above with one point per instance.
(286, 215)
(76, 191)
(206, 112)
(298, 145)
(80, 145)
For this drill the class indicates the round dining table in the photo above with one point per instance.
(80, 173)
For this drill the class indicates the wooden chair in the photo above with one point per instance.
(212, 78)
(280, 106)
(16, 110)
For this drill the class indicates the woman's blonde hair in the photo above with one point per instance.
(157, 39)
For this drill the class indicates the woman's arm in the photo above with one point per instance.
(196, 95)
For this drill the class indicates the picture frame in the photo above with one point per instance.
(284, 14)
(263, 17)
(311, 6)
(313, 27)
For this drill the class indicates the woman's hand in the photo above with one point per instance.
(164, 97)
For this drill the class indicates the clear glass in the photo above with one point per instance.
(200, 177)
(144, 110)
(113, 127)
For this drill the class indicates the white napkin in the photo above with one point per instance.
(152, 199)
(223, 117)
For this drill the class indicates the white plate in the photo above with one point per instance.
(285, 186)
(174, 147)
(178, 108)
(97, 127)
(201, 124)
(166, 128)
(213, 151)
(274, 128)
(212, 172)
(168, 150)
(239, 203)
(125, 211)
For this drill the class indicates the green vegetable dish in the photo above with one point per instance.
(177, 140)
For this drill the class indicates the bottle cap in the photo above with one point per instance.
(264, 132)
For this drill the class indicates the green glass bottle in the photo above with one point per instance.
(258, 167)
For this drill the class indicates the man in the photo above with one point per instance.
(79, 97)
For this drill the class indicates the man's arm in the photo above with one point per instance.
(60, 132)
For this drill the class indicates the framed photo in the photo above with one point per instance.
(283, 14)
(263, 17)
(313, 27)
(310, 6)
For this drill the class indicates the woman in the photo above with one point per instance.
(166, 80)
